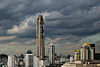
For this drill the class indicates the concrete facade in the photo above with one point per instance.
(51, 54)
(11, 61)
(87, 52)
(29, 60)
(40, 38)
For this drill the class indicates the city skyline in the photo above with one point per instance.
(68, 23)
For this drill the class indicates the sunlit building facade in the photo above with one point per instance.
(40, 37)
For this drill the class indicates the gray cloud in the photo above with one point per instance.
(26, 27)
(74, 19)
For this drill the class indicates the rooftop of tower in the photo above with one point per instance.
(77, 50)
(40, 17)
(86, 44)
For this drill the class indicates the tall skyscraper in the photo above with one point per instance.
(52, 54)
(40, 38)
(11, 61)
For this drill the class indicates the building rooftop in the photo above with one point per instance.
(86, 44)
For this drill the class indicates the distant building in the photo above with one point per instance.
(87, 51)
(36, 61)
(71, 59)
(92, 51)
(77, 55)
(88, 57)
(11, 61)
(40, 38)
(52, 54)
(29, 60)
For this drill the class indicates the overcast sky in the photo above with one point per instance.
(65, 20)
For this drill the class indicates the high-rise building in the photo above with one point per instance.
(40, 38)
(29, 60)
(92, 51)
(36, 61)
(52, 54)
(11, 61)
(77, 55)
(87, 51)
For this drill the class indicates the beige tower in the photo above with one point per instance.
(40, 38)
(85, 51)
(77, 55)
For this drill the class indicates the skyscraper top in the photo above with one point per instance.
(40, 37)
(40, 17)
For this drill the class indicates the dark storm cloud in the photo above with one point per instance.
(78, 23)
(64, 17)
(66, 23)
